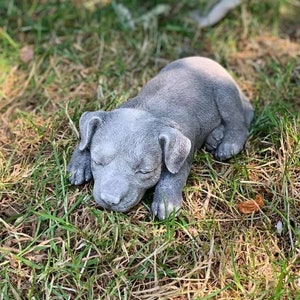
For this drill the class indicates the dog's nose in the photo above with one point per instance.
(110, 199)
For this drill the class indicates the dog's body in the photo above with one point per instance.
(151, 139)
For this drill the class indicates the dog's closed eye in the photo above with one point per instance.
(101, 160)
(148, 171)
(98, 163)
(145, 171)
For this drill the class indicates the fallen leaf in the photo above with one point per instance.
(250, 206)
(26, 54)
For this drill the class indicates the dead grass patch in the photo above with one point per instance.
(255, 54)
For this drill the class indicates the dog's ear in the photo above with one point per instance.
(88, 123)
(176, 148)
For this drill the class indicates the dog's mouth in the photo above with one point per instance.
(124, 205)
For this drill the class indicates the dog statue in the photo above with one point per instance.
(150, 140)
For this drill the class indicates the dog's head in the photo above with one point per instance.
(129, 149)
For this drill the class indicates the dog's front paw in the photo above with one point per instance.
(79, 167)
(165, 204)
(163, 210)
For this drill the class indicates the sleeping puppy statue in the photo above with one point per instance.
(150, 140)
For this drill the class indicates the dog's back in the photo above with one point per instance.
(185, 91)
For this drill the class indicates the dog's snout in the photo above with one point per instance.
(110, 199)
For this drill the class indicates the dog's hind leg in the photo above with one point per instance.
(215, 138)
(236, 114)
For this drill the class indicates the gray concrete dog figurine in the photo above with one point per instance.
(150, 140)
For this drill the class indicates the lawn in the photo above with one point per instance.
(60, 58)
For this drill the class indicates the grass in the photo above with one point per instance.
(56, 244)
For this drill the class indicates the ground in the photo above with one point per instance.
(60, 58)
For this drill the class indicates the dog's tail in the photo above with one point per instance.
(248, 108)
